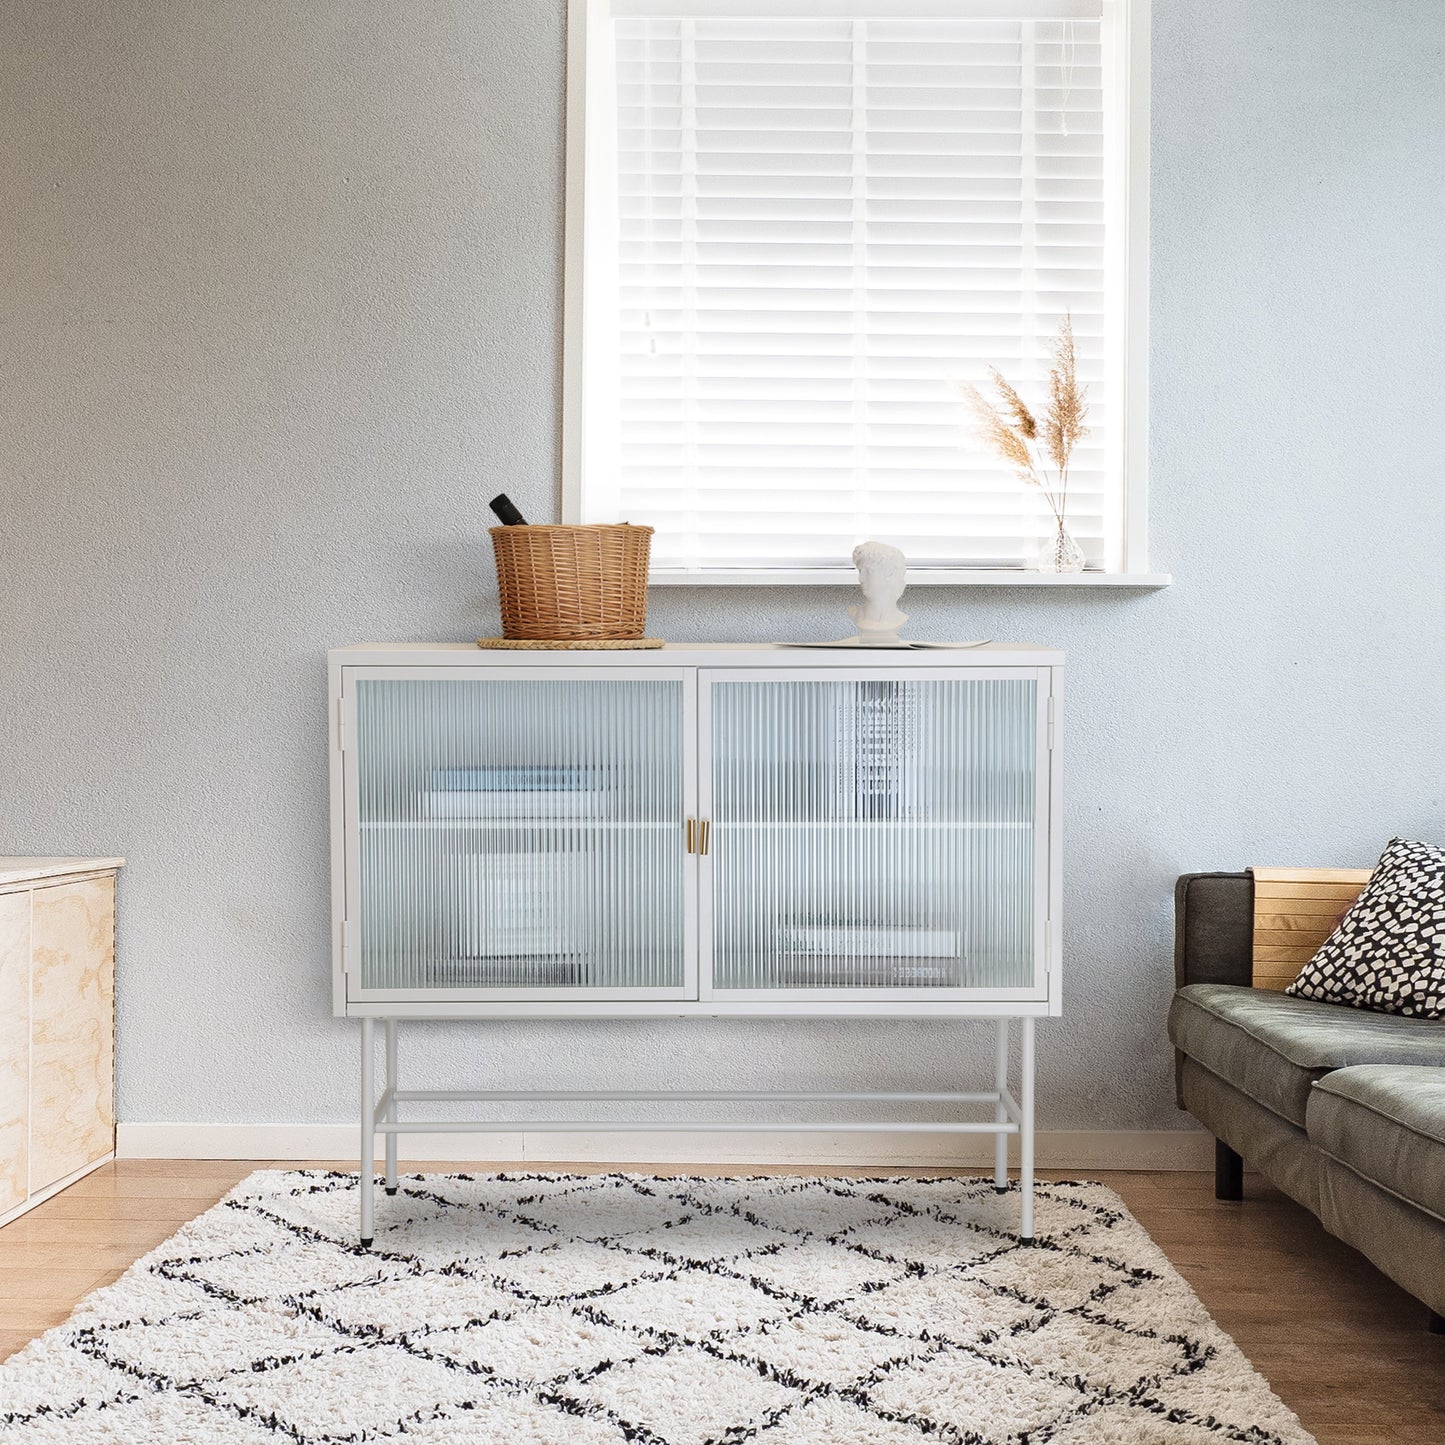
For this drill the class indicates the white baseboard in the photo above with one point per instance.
(1169, 1149)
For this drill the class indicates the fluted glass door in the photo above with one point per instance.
(881, 832)
(519, 835)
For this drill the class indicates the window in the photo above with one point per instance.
(796, 229)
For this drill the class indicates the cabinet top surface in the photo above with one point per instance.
(698, 654)
(31, 870)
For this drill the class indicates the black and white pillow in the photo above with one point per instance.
(1388, 953)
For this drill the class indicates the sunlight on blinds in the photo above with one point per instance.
(824, 227)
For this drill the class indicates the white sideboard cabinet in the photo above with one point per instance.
(697, 830)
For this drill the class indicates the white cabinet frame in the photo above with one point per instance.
(390, 1001)
(806, 1000)
(698, 668)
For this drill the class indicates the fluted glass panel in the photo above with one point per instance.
(520, 834)
(874, 834)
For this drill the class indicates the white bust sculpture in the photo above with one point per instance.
(882, 576)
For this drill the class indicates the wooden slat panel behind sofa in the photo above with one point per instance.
(1295, 910)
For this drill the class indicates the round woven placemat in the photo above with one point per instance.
(596, 644)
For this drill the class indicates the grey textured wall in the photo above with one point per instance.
(279, 310)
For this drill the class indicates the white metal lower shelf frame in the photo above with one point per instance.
(1011, 1115)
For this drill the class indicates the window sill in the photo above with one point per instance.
(917, 577)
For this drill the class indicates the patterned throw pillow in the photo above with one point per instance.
(1388, 953)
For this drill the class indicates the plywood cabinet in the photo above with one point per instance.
(57, 1023)
(14, 1049)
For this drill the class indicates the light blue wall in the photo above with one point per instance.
(278, 312)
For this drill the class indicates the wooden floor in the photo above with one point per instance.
(1342, 1345)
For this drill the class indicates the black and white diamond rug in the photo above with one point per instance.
(558, 1309)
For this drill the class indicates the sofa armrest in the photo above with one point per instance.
(1214, 928)
(1213, 937)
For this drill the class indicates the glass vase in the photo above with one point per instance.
(1061, 553)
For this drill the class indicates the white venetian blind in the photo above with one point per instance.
(824, 226)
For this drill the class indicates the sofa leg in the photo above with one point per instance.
(1434, 1323)
(1228, 1172)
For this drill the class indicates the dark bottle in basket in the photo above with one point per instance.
(507, 513)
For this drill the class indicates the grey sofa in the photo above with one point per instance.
(1343, 1110)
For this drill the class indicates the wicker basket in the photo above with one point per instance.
(567, 583)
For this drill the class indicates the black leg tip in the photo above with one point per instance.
(366, 1243)
(1000, 1188)
(391, 1189)
(1228, 1173)
(1026, 1240)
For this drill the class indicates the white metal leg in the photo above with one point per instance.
(1000, 1111)
(1010, 1115)
(368, 1133)
(391, 1087)
(1026, 1130)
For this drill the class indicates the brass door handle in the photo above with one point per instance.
(704, 835)
(692, 835)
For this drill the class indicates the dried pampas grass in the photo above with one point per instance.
(1010, 430)
(998, 434)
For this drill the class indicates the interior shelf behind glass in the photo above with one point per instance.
(874, 833)
(520, 834)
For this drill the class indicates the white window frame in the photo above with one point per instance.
(590, 400)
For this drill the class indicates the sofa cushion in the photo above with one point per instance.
(1272, 1047)
(1388, 952)
(1387, 1123)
